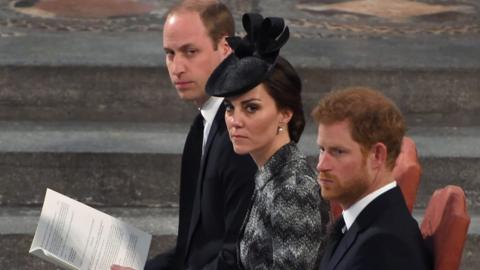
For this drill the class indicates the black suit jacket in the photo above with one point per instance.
(384, 236)
(213, 202)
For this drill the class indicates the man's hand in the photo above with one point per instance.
(118, 267)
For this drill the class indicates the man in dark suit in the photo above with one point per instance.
(359, 135)
(216, 184)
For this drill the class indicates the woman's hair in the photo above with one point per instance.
(216, 17)
(372, 118)
(285, 87)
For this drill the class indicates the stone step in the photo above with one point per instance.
(119, 164)
(84, 76)
(17, 226)
(138, 164)
(154, 220)
(15, 256)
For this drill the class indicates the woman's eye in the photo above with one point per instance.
(251, 108)
(228, 107)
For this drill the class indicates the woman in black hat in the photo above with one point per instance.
(285, 226)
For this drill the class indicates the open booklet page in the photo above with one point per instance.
(73, 235)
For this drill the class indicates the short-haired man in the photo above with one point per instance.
(360, 133)
(216, 184)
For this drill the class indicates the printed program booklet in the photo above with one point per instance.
(75, 236)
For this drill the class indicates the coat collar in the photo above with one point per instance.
(369, 214)
(350, 214)
(267, 172)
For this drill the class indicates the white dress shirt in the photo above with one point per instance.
(209, 110)
(350, 214)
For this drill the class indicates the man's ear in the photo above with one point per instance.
(224, 47)
(378, 155)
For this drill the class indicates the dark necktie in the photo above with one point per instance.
(194, 142)
(340, 227)
(335, 234)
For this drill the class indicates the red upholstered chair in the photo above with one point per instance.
(407, 172)
(445, 225)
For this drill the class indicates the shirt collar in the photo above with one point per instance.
(209, 108)
(350, 214)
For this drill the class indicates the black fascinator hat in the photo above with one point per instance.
(253, 58)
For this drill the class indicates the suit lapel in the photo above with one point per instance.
(216, 124)
(344, 245)
(368, 215)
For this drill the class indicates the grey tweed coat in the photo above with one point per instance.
(286, 225)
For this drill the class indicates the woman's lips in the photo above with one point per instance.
(238, 137)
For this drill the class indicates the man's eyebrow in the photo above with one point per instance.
(332, 146)
(186, 46)
(181, 48)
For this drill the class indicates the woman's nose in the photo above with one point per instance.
(234, 119)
